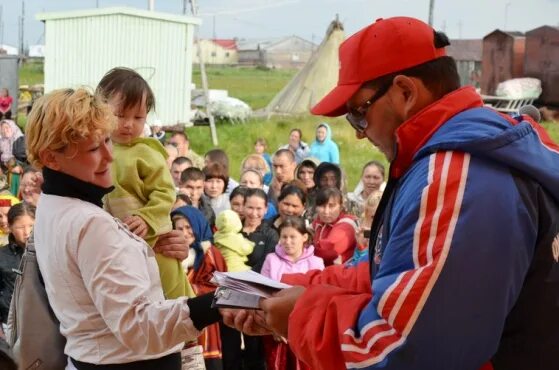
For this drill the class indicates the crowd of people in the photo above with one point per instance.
(412, 269)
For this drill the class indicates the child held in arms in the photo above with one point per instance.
(144, 191)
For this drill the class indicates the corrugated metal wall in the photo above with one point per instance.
(80, 50)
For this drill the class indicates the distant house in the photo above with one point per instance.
(284, 52)
(81, 46)
(217, 51)
(503, 58)
(468, 56)
(8, 50)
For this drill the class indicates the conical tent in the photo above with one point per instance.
(315, 80)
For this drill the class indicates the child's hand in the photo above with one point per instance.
(137, 225)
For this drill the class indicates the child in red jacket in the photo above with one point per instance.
(334, 230)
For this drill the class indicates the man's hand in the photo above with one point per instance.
(250, 322)
(137, 225)
(172, 245)
(278, 308)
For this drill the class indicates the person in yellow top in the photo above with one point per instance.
(6, 202)
(144, 192)
(234, 247)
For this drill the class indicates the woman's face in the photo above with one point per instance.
(372, 179)
(250, 180)
(306, 175)
(291, 205)
(294, 139)
(6, 130)
(255, 209)
(182, 224)
(214, 187)
(4, 219)
(330, 211)
(89, 161)
(30, 188)
(21, 229)
(321, 133)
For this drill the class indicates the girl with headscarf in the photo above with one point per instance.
(203, 260)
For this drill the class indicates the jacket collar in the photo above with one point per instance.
(414, 133)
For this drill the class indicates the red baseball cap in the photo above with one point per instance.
(384, 47)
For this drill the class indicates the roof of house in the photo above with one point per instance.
(255, 44)
(119, 10)
(463, 49)
(226, 43)
(509, 33)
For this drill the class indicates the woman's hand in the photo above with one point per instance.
(278, 308)
(173, 245)
(250, 322)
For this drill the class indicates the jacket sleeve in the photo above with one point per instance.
(448, 272)
(160, 192)
(340, 239)
(115, 272)
(267, 266)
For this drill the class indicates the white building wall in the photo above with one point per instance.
(80, 50)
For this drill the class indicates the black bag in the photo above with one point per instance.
(33, 329)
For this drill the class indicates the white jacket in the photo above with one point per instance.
(103, 285)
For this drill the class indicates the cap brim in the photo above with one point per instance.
(334, 104)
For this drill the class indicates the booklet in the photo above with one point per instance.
(243, 289)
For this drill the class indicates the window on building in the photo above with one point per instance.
(213, 54)
(227, 54)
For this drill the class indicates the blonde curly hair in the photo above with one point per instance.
(64, 117)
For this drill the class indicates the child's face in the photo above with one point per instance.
(259, 148)
(21, 229)
(250, 180)
(130, 122)
(194, 189)
(292, 241)
(4, 219)
(330, 211)
(182, 224)
(214, 187)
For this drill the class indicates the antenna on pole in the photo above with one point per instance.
(21, 27)
(194, 9)
(431, 9)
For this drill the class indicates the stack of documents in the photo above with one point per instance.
(243, 289)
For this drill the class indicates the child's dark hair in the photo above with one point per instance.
(259, 193)
(291, 189)
(192, 174)
(20, 209)
(238, 191)
(298, 223)
(261, 141)
(325, 194)
(129, 85)
(217, 171)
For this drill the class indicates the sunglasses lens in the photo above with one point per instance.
(357, 121)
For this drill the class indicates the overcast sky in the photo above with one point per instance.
(306, 18)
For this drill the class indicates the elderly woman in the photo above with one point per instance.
(101, 280)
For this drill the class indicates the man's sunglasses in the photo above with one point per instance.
(356, 116)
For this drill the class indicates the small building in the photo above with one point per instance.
(467, 54)
(542, 61)
(8, 50)
(81, 46)
(503, 59)
(217, 51)
(284, 52)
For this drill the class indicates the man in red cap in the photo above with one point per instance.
(467, 232)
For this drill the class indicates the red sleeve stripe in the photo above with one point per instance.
(402, 303)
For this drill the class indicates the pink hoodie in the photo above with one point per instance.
(278, 263)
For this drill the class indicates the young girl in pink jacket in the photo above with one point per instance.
(292, 255)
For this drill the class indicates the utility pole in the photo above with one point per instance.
(507, 5)
(21, 27)
(194, 9)
(431, 9)
(1, 25)
(151, 5)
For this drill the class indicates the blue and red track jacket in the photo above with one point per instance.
(469, 277)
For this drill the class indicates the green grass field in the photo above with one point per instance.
(257, 87)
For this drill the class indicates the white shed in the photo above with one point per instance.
(81, 46)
